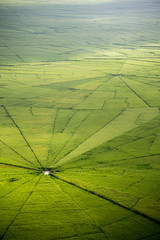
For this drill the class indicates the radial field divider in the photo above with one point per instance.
(22, 135)
(85, 212)
(53, 129)
(125, 119)
(30, 193)
(133, 203)
(17, 188)
(135, 93)
(74, 113)
(25, 159)
(54, 160)
(17, 166)
(68, 154)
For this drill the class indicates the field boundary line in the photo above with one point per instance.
(125, 159)
(116, 161)
(16, 188)
(109, 198)
(122, 151)
(74, 113)
(17, 55)
(136, 93)
(16, 152)
(70, 138)
(98, 227)
(156, 136)
(122, 65)
(53, 130)
(94, 90)
(21, 134)
(68, 121)
(70, 91)
(12, 165)
(134, 183)
(121, 112)
(20, 209)
(142, 82)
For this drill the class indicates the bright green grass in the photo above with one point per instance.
(55, 203)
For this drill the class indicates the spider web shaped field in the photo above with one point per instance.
(89, 115)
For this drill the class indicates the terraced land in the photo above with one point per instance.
(79, 97)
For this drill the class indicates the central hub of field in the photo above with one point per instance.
(46, 172)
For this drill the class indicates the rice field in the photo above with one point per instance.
(79, 98)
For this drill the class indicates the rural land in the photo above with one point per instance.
(80, 120)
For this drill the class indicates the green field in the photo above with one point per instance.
(79, 96)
